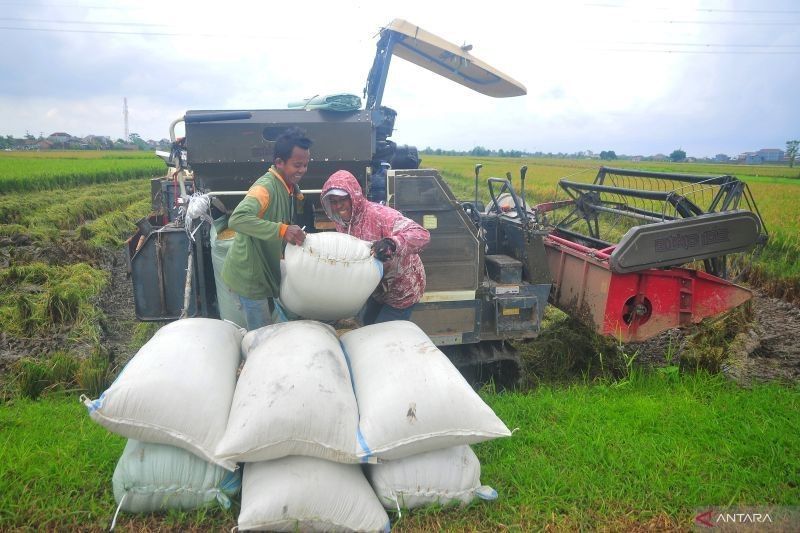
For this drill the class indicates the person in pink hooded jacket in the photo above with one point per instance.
(396, 241)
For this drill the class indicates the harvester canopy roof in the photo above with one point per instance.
(451, 61)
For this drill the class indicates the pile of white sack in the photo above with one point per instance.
(328, 432)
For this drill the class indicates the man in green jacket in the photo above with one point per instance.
(263, 223)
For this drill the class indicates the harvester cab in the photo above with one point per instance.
(490, 268)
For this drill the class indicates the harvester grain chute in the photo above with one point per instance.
(490, 270)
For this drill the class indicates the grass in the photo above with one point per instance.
(36, 171)
(606, 457)
(592, 455)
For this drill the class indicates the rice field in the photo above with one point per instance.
(37, 171)
(63, 214)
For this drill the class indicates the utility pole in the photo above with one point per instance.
(125, 114)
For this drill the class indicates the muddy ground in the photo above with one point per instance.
(768, 348)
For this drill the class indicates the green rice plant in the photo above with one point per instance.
(63, 368)
(93, 374)
(111, 228)
(143, 332)
(37, 299)
(26, 308)
(67, 208)
(33, 171)
(31, 376)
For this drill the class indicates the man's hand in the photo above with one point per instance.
(294, 235)
(384, 249)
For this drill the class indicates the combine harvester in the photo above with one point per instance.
(490, 270)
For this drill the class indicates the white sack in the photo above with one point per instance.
(227, 301)
(177, 389)
(308, 494)
(411, 398)
(294, 397)
(329, 277)
(157, 477)
(448, 476)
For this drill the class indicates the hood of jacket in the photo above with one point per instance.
(344, 180)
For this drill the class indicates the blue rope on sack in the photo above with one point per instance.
(362, 442)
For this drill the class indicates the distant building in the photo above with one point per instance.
(59, 137)
(770, 155)
(721, 158)
(660, 157)
(765, 155)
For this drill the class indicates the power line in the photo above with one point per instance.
(89, 22)
(28, 4)
(705, 52)
(152, 33)
(708, 9)
(740, 47)
(723, 22)
(731, 45)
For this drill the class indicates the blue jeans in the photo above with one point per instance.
(257, 313)
(375, 312)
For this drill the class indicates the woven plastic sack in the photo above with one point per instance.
(447, 477)
(177, 389)
(308, 494)
(294, 397)
(157, 477)
(227, 300)
(329, 277)
(411, 399)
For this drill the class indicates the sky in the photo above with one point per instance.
(639, 78)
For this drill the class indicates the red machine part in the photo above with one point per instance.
(635, 306)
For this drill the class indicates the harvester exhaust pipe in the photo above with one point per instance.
(522, 171)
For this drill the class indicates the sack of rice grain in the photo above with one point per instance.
(308, 494)
(450, 476)
(177, 389)
(329, 277)
(157, 477)
(411, 399)
(294, 397)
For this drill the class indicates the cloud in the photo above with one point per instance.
(627, 76)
